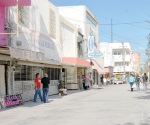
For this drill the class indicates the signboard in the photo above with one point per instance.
(90, 44)
(94, 54)
(12, 100)
(91, 52)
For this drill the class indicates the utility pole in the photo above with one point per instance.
(111, 31)
(123, 58)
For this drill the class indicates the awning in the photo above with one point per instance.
(13, 2)
(97, 67)
(108, 69)
(76, 61)
(8, 53)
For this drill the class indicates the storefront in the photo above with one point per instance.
(75, 73)
(24, 76)
(17, 74)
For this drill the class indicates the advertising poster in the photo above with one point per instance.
(12, 100)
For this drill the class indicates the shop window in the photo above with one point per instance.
(17, 73)
(56, 74)
(52, 70)
(70, 75)
(29, 73)
(23, 73)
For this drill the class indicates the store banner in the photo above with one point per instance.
(91, 52)
(90, 44)
(12, 100)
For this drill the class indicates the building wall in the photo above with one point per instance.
(106, 49)
(38, 29)
(136, 61)
(68, 38)
(77, 15)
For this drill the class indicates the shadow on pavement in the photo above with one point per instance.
(143, 97)
(134, 124)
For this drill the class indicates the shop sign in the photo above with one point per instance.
(12, 100)
(91, 52)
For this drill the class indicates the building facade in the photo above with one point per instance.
(87, 24)
(31, 45)
(119, 56)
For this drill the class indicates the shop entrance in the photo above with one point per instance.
(2, 82)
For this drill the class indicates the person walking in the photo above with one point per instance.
(145, 80)
(131, 81)
(37, 88)
(105, 81)
(102, 80)
(137, 80)
(45, 81)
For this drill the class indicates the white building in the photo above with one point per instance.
(35, 49)
(118, 55)
(87, 24)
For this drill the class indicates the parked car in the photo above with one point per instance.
(118, 81)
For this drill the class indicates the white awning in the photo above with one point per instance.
(97, 67)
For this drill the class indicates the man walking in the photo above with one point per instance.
(37, 88)
(137, 80)
(45, 81)
(145, 80)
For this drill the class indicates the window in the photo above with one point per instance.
(52, 24)
(26, 73)
(17, 73)
(52, 70)
(90, 22)
(29, 73)
(70, 75)
(117, 52)
(23, 15)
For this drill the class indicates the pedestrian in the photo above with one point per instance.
(145, 80)
(105, 81)
(37, 88)
(45, 81)
(102, 79)
(131, 81)
(137, 80)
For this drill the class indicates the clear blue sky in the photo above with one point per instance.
(129, 19)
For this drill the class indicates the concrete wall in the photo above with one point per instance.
(27, 89)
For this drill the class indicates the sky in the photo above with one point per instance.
(130, 19)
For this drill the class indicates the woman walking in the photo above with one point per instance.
(131, 81)
(37, 88)
(137, 80)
